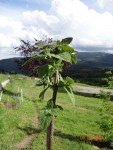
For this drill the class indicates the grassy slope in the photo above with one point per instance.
(3, 77)
(73, 122)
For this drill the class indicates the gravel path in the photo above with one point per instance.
(90, 90)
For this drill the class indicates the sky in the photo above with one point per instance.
(89, 22)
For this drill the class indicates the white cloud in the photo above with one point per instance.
(37, 1)
(65, 18)
(9, 31)
(73, 18)
(101, 3)
(88, 27)
(105, 5)
(39, 18)
(5, 56)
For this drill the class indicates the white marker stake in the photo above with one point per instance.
(21, 95)
(1, 96)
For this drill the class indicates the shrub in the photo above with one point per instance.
(106, 121)
(111, 84)
(104, 95)
(105, 81)
(1, 119)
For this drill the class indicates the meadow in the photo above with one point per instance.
(20, 126)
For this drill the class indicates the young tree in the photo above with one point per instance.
(27, 49)
(57, 53)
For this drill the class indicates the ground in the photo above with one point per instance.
(21, 125)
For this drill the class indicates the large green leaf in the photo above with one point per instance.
(67, 40)
(53, 55)
(67, 48)
(44, 90)
(61, 83)
(73, 58)
(59, 106)
(62, 56)
(44, 70)
(45, 121)
(69, 80)
(61, 78)
(70, 94)
(50, 104)
(65, 56)
(41, 82)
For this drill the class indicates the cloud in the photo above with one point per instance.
(39, 18)
(10, 31)
(89, 28)
(73, 18)
(101, 3)
(105, 5)
(37, 1)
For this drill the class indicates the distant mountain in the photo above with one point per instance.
(91, 67)
(86, 60)
(9, 65)
(7, 56)
(94, 60)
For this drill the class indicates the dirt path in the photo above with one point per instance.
(26, 142)
(4, 83)
(90, 90)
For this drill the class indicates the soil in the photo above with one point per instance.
(26, 142)
(11, 105)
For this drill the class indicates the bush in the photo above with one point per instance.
(105, 81)
(111, 78)
(106, 122)
(106, 125)
(104, 95)
(111, 84)
(1, 119)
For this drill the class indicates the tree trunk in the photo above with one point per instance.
(43, 96)
(55, 90)
(55, 87)
(50, 131)
(50, 128)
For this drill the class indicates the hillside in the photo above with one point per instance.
(86, 60)
(91, 67)
(95, 59)
(21, 124)
(9, 65)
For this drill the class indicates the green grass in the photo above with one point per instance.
(71, 123)
(85, 84)
(94, 86)
(3, 77)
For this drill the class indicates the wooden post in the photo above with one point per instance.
(1, 95)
